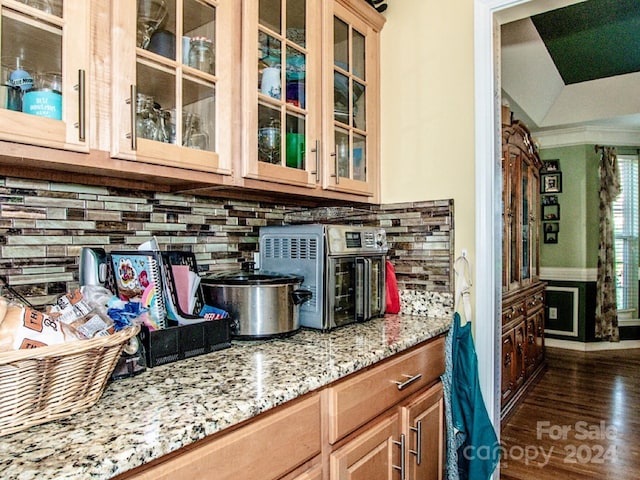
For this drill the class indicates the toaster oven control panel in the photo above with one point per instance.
(343, 239)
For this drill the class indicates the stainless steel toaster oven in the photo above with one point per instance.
(343, 266)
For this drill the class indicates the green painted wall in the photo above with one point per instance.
(577, 245)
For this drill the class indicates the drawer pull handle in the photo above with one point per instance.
(406, 383)
(418, 451)
(401, 444)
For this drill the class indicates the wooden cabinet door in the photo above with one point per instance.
(370, 455)
(508, 366)
(423, 427)
(351, 157)
(520, 336)
(173, 88)
(535, 340)
(314, 473)
(281, 91)
(46, 48)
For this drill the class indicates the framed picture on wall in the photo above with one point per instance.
(550, 237)
(551, 182)
(550, 212)
(550, 165)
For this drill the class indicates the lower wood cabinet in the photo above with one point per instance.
(384, 422)
(523, 356)
(407, 443)
(423, 428)
(266, 449)
(388, 422)
(373, 454)
(314, 473)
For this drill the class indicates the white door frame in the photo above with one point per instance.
(488, 200)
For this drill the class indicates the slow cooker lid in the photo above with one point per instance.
(242, 277)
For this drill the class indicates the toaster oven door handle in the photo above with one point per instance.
(363, 289)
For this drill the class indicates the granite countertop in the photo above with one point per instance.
(142, 418)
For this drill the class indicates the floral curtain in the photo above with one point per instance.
(606, 308)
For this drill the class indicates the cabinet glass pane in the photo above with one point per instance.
(340, 43)
(269, 62)
(358, 67)
(295, 72)
(526, 246)
(296, 22)
(535, 225)
(151, 14)
(269, 135)
(198, 37)
(342, 153)
(31, 64)
(514, 164)
(51, 7)
(359, 108)
(295, 142)
(359, 158)
(198, 48)
(271, 14)
(198, 122)
(155, 103)
(341, 98)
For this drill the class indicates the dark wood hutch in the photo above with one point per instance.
(523, 355)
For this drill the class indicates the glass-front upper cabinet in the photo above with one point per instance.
(44, 52)
(353, 92)
(173, 82)
(281, 92)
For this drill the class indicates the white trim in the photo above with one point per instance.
(629, 322)
(591, 346)
(561, 274)
(574, 326)
(487, 212)
(565, 137)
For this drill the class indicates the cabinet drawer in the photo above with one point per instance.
(513, 312)
(535, 302)
(253, 451)
(356, 400)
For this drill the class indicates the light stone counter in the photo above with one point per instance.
(165, 408)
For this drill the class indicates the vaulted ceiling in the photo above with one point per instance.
(578, 65)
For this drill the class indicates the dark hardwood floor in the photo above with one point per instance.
(580, 421)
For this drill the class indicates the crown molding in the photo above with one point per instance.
(587, 135)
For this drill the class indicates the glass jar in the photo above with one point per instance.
(45, 98)
(201, 54)
(193, 136)
(146, 124)
(269, 142)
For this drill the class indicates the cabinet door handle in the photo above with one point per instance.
(418, 451)
(80, 87)
(335, 164)
(316, 151)
(401, 444)
(406, 383)
(132, 112)
(507, 359)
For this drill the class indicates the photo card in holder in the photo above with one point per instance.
(138, 277)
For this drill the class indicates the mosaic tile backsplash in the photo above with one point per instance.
(44, 225)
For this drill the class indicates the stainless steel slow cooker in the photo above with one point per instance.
(261, 304)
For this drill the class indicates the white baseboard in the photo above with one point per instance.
(591, 346)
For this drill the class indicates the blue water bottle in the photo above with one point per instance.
(20, 81)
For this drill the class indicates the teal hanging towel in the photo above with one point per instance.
(474, 438)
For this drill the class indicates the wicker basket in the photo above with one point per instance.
(43, 384)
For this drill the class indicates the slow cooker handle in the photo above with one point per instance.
(301, 296)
